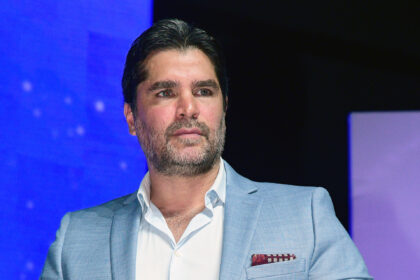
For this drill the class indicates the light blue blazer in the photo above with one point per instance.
(260, 218)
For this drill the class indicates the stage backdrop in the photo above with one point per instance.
(385, 180)
(64, 144)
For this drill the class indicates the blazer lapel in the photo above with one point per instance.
(124, 231)
(241, 214)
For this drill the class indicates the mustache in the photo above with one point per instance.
(184, 123)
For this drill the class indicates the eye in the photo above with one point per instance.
(204, 92)
(165, 93)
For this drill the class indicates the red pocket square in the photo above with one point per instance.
(258, 259)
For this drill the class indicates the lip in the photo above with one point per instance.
(186, 131)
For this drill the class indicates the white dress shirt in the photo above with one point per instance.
(198, 252)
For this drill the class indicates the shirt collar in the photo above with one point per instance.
(216, 193)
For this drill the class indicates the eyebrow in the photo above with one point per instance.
(207, 83)
(163, 85)
(172, 84)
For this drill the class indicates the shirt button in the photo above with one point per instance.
(178, 254)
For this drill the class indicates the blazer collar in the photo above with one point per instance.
(242, 209)
(124, 231)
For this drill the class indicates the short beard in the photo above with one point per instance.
(164, 158)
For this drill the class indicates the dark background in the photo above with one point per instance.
(297, 70)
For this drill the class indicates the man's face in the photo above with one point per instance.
(180, 121)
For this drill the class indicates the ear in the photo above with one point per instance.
(129, 117)
(226, 103)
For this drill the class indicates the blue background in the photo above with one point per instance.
(64, 144)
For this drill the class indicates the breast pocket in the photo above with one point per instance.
(280, 270)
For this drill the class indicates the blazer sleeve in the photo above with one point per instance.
(53, 265)
(335, 256)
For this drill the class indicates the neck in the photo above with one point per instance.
(177, 195)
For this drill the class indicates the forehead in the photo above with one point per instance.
(190, 63)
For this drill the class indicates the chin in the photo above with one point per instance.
(186, 162)
(190, 157)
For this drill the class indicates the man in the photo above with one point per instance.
(193, 216)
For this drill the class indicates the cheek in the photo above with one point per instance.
(213, 116)
(157, 118)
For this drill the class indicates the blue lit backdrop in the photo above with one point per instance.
(64, 144)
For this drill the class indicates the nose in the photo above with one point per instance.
(187, 106)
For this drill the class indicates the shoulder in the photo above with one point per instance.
(274, 191)
(302, 202)
(278, 189)
(91, 226)
(104, 211)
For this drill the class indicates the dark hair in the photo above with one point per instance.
(164, 35)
